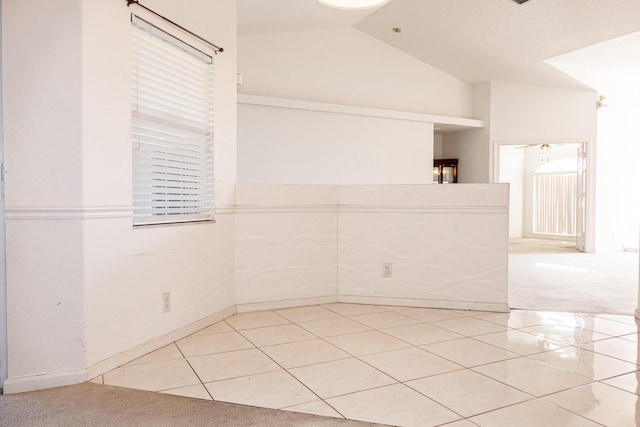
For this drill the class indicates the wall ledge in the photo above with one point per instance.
(67, 212)
(448, 123)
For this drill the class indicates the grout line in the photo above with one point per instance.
(434, 323)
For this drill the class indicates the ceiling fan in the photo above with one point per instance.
(520, 1)
(543, 147)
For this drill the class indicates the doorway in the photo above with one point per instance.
(547, 191)
(547, 227)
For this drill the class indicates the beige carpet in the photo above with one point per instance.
(100, 405)
(554, 276)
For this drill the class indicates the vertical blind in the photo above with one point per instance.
(172, 128)
(555, 204)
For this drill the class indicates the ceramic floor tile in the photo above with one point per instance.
(272, 390)
(394, 405)
(340, 377)
(307, 313)
(601, 403)
(421, 334)
(586, 363)
(630, 337)
(388, 319)
(617, 348)
(564, 335)
(531, 376)
(409, 363)
(346, 309)
(473, 313)
(318, 407)
(258, 319)
(431, 314)
(197, 391)
(533, 413)
(333, 327)
(469, 352)
(199, 345)
(215, 329)
(630, 320)
(169, 352)
(561, 318)
(469, 326)
(222, 366)
(610, 327)
(304, 353)
(628, 382)
(515, 319)
(273, 335)
(153, 376)
(367, 343)
(461, 423)
(520, 342)
(468, 393)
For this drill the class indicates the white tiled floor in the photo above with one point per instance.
(408, 366)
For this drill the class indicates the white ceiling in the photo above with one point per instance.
(473, 40)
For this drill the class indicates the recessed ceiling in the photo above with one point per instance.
(473, 40)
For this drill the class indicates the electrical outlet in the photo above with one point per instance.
(387, 269)
(166, 302)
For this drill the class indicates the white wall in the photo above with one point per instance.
(437, 146)
(300, 244)
(471, 147)
(448, 245)
(538, 114)
(43, 148)
(618, 173)
(293, 146)
(3, 276)
(286, 244)
(512, 171)
(346, 66)
(84, 286)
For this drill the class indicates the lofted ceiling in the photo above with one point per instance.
(473, 40)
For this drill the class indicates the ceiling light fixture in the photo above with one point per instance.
(354, 4)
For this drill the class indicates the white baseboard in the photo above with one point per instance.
(274, 305)
(49, 380)
(156, 343)
(423, 303)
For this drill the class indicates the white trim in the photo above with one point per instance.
(83, 212)
(225, 210)
(408, 209)
(67, 212)
(357, 111)
(156, 343)
(276, 209)
(43, 381)
(425, 303)
(274, 305)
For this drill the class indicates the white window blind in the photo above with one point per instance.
(172, 128)
(555, 203)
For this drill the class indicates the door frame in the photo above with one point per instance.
(589, 176)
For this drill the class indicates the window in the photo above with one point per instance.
(555, 198)
(172, 128)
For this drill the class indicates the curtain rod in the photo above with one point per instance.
(214, 46)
